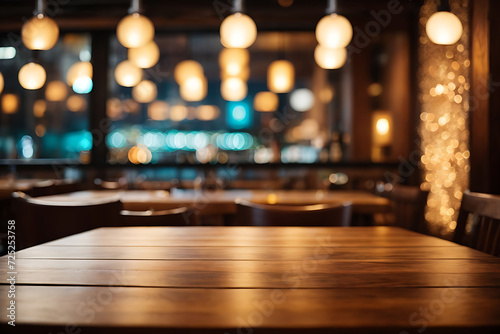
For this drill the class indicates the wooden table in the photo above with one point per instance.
(253, 280)
(8, 186)
(222, 202)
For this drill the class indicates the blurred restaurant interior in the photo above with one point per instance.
(222, 113)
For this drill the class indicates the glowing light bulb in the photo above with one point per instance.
(127, 74)
(32, 76)
(145, 92)
(40, 33)
(78, 70)
(194, 89)
(187, 69)
(238, 31)
(135, 30)
(302, 99)
(330, 58)
(10, 103)
(233, 89)
(56, 91)
(280, 76)
(234, 61)
(145, 56)
(265, 101)
(444, 28)
(334, 31)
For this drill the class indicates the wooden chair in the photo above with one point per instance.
(175, 217)
(408, 207)
(248, 213)
(39, 221)
(478, 223)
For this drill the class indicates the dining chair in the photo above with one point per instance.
(248, 213)
(183, 216)
(478, 223)
(39, 221)
(408, 206)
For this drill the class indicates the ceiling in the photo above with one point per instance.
(189, 15)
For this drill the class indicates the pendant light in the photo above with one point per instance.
(145, 92)
(238, 30)
(32, 76)
(135, 30)
(333, 30)
(127, 74)
(330, 59)
(145, 56)
(444, 27)
(40, 32)
(1, 82)
(280, 76)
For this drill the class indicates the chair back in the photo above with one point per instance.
(478, 223)
(39, 221)
(409, 207)
(248, 213)
(183, 216)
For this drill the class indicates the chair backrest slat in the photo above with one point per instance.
(484, 234)
(408, 206)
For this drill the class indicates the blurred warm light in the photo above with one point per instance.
(178, 113)
(309, 129)
(158, 110)
(32, 76)
(233, 89)
(1, 82)
(56, 91)
(39, 108)
(145, 92)
(10, 103)
(139, 154)
(40, 33)
(272, 198)
(334, 31)
(375, 89)
(127, 74)
(285, 3)
(207, 112)
(40, 130)
(76, 103)
(243, 75)
(135, 30)
(302, 99)
(238, 31)
(79, 70)
(444, 28)
(266, 101)
(280, 76)
(114, 108)
(234, 62)
(187, 69)
(326, 94)
(131, 106)
(330, 59)
(382, 128)
(145, 56)
(194, 89)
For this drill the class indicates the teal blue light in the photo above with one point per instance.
(83, 85)
(238, 115)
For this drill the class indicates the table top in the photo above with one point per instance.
(254, 279)
(363, 202)
(8, 186)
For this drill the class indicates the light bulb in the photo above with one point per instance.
(158, 110)
(178, 113)
(145, 56)
(135, 30)
(32, 76)
(234, 61)
(207, 112)
(302, 99)
(10, 103)
(330, 58)
(194, 89)
(280, 76)
(266, 101)
(238, 31)
(233, 89)
(1, 82)
(187, 69)
(334, 31)
(444, 28)
(127, 74)
(40, 33)
(145, 92)
(78, 70)
(56, 91)
(76, 103)
(39, 108)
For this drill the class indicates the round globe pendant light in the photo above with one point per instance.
(194, 89)
(79, 70)
(40, 32)
(127, 74)
(333, 30)
(135, 30)
(233, 89)
(32, 76)
(238, 30)
(145, 92)
(145, 56)
(187, 69)
(444, 27)
(280, 76)
(330, 59)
